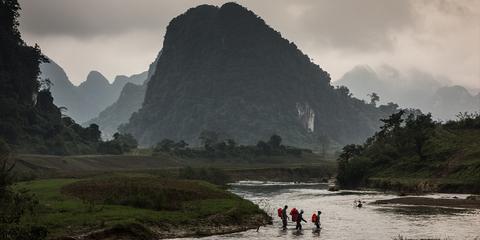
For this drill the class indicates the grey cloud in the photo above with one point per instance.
(121, 36)
(90, 18)
(363, 25)
(344, 23)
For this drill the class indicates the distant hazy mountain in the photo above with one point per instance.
(129, 101)
(414, 89)
(65, 93)
(225, 70)
(91, 96)
(447, 102)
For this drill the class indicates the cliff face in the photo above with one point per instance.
(223, 69)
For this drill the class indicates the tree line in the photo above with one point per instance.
(406, 144)
(212, 146)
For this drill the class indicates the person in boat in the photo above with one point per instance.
(316, 220)
(299, 220)
(284, 217)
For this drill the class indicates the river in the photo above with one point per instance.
(340, 220)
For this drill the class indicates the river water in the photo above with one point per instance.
(340, 220)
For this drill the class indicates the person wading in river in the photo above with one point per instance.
(299, 220)
(284, 217)
(316, 220)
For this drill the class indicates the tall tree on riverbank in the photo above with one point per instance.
(29, 121)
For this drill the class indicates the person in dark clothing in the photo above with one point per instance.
(317, 220)
(299, 220)
(284, 217)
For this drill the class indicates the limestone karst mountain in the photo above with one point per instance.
(224, 69)
(87, 100)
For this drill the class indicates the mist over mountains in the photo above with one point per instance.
(412, 89)
(225, 70)
(87, 100)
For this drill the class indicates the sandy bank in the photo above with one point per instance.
(439, 202)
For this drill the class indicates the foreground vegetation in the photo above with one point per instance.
(416, 154)
(154, 206)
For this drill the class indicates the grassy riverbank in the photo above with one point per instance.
(140, 206)
(415, 155)
(140, 196)
(307, 167)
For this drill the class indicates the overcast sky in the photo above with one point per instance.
(117, 37)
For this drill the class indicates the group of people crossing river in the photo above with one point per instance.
(297, 217)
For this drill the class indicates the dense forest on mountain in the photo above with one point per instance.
(225, 70)
(29, 121)
(416, 153)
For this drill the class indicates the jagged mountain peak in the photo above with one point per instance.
(224, 69)
(95, 77)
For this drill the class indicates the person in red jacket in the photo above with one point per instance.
(316, 220)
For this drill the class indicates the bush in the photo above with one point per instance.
(15, 205)
(140, 192)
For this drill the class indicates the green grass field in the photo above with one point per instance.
(67, 214)
(277, 168)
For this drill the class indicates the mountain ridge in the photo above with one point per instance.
(224, 69)
(89, 98)
(413, 89)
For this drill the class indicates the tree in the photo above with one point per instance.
(93, 133)
(345, 176)
(275, 141)
(264, 148)
(126, 141)
(231, 144)
(420, 129)
(208, 138)
(374, 98)
(344, 91)
(391, 124)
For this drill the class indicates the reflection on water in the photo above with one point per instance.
(340, 220)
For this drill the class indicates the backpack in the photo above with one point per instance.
(314, 218)
(294, 213)
(280, 212)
